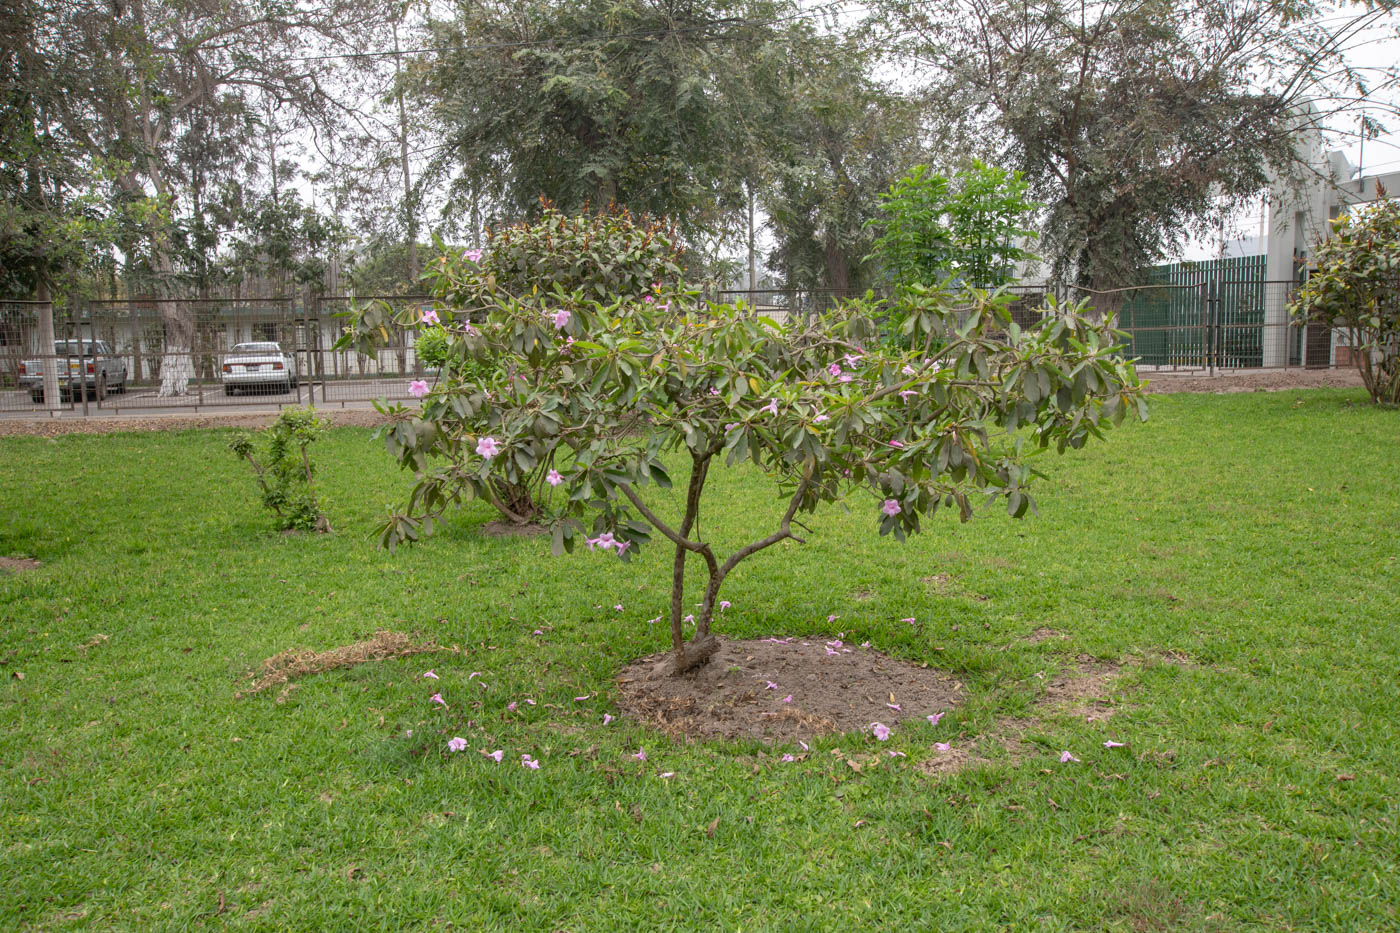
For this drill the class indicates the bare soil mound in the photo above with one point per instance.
(301, 662)
(784, 689)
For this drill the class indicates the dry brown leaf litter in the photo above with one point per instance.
(301, 662)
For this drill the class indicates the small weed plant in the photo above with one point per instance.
(284, 470)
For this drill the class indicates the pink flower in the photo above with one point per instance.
(934, 717)
(510, 706)
(607, 718)
(881, 731)
(788, 698)
(538, 631)
(664, 306)
(897, 444)
(618, 607)
(667, 774)
(787, 758)
(473, 674)
(896, 707)
(473, 254)
(437, 698)
(498, 755)
(851, 360)
(942, 746)
(907, 370)
(714, 390)
(689, 618)
(894, 754)
(1066, 758)
(641, 754)
(730, 426)
(529, 701)
(772, 406)
(430, 675)
(1112, 744)
(847, 377)
(487, 447)
(822, 416)
(771, 685)
(582, 698)
(805, 746)
(907, 392)
(891, 507)
(830, 619)
(835, 643)
(622, 547)
(456, 744)
(430, 317)
(471, 331)
(832, 651)
(561, 319)
(418, 388)
(606, 541)
(865, 644)
(724, 604)
(834, 369)
(529, 762)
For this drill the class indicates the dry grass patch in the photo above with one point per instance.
(18, 564)
(301, 662)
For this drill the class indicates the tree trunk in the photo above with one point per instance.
(46, 340)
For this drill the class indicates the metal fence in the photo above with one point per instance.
(113, 355)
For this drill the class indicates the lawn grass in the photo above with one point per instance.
(1252, 536)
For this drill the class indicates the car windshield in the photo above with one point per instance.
(256, 348)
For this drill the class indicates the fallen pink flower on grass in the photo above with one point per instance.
(582, 698)
(498, 754)
(473, 674)
(430, 675)
(832, 651)
(529, 701)
(511, 706)
(437, 698)
(641, 754)
(788, 698)
(911, 620)
(934, 717)
(805, 746)
(787, 758)
(894, 754)
(724, 604)
(537, 632)
(529, 762)
(1112, 744)
(881, 731)
(943, 746)
(1066, 758)
(456, 743)
(607, 718)
(667, 774)
(770, 685)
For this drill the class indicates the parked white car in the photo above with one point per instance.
(258, 366)
(95, 367)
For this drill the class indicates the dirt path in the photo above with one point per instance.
(1255, 380)
(54, 427)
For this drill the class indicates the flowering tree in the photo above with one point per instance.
(1356, 286)
(594, 395)
(526, 266)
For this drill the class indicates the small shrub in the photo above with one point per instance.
(284, 470)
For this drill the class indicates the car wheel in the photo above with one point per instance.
(228, 390)
(99, 391)
(287, 387)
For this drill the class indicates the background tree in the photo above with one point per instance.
(589, 103)
(841, 139)
(1136, 123)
